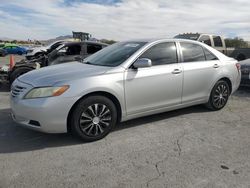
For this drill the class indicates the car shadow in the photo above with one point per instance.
(243, 91)
(4, 87)
(15, 138)
(161, 116)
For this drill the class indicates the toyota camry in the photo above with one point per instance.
(123, 81)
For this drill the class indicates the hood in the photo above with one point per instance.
(37, 49)
(245, 62)
(51, 75)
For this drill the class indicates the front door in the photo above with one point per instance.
(154, 87)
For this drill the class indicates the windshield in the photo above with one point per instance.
(115, 54)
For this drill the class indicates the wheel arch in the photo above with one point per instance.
(226, 79)
(110, 96)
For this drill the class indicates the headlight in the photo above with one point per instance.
(46, 92)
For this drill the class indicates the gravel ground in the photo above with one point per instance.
(188, 148)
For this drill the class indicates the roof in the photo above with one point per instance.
(86, 42)
(152, 40)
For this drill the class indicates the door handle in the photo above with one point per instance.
(176, 71)
(216, 66)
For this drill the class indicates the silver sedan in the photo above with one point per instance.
(123, 81)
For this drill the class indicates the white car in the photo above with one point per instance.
(39, 50)
(123, 81)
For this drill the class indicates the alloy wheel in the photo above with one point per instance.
(220, 95)
(95, 120)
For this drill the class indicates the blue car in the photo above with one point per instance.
(3, 52)
(15, 50)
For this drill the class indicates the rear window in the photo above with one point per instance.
(205, 39)
(217, 41)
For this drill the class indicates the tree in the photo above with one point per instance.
(236, 42)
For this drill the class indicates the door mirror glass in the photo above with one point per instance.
(142, 62)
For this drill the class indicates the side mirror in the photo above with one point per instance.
(143, 62)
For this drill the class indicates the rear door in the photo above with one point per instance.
(201, 69)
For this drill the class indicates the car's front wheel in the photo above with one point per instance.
(219, 95)
(93, 118)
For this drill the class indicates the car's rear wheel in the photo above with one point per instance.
(219, 95)
(93, 118)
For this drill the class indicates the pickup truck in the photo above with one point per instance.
(218, 43)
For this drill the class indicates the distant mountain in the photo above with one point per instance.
(56, 39)
(6, 39)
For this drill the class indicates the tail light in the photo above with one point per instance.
(237, 66)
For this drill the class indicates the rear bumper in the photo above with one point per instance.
(245, 79)
(236, 83)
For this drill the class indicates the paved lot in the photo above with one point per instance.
(189, 148)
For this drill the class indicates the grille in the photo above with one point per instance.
(245, 70)
(17, 90)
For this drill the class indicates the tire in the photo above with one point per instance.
(93, 118)
(18, 72)
(219, 96)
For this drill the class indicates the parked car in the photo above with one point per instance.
(66, 52)
(245, 72)
(37, 51)
(8, 45)
(3, 52)
(219, 44)
(15, 50)
(121, 82)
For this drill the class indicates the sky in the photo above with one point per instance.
(123, 19)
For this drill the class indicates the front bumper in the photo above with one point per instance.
(42, 114)
(245, 80)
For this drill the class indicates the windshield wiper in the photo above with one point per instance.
(87, 62)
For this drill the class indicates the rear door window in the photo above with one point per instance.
(209, 55)
(192, 52)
